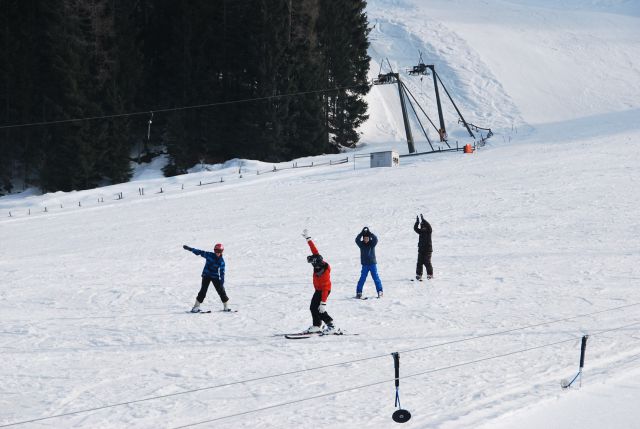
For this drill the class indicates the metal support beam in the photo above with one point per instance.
(442, 131)
(405, 117)
(454, 104)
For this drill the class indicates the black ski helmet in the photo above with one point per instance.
(315, 260)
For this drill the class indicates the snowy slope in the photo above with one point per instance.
(93, 299)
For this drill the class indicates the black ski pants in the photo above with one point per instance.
(205, 286)
(424, 259)
(318, 317)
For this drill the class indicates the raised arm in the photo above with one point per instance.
(424, 222)
(415, 226)
(312, 246)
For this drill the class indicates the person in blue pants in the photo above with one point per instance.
(367, 242)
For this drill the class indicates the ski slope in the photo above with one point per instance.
(540, 225)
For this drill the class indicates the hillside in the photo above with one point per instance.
(539, 226)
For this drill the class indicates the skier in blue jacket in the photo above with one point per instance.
(213, 272)
(367, 242)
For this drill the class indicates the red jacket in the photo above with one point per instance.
(321, 282)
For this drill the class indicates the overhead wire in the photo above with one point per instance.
(431, 371)
(173, 109)
(135, 401)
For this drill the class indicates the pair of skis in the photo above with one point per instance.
(364, 298)
(304, 335)
(209, 311)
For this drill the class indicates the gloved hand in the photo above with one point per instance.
(365, 229)
(185, 247)
(421, 217)
(417, 219)
(322, 307)
(305, 234)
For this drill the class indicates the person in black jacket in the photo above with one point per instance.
(424, 247)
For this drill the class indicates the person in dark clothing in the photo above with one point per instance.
(213, 272)
(425, 248)
(367, 242)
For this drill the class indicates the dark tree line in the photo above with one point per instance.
(69, 59)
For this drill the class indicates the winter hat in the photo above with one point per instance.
(315, 260)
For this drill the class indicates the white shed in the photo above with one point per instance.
(385, 159)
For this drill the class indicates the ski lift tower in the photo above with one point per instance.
(391, 78)
(423, 69)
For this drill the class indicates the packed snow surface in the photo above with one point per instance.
(536, 242)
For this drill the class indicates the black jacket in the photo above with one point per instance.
(424, 231)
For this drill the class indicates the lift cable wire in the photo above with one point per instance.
(173, 109)
(417, 374)
(316, 368)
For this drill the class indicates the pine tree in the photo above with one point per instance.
(344, 30)
(307, 135)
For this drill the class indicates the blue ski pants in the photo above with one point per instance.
(366, 269)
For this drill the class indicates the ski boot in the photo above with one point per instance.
(329, 329)
(312, 330)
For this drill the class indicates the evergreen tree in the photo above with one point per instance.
(344, 43)
(88, 58)
(307, 132)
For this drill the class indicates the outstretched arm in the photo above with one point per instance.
(192, 250)
(200, 252)
(312, 246)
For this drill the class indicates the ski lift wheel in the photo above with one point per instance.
(401, 416)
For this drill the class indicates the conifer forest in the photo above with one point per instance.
(88, 86)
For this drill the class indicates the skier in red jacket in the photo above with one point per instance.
(322, 286)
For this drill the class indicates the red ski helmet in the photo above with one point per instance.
(218, 248)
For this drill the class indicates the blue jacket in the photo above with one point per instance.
(214, 267)
(367, 250)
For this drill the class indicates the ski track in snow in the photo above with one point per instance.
(93, 299)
